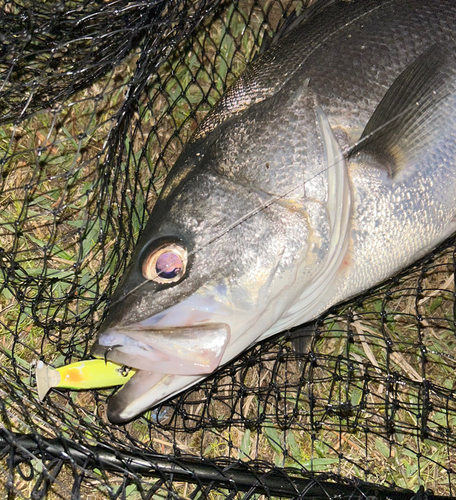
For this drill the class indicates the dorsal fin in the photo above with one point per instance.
(403, 122)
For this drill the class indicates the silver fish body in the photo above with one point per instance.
(328, 167)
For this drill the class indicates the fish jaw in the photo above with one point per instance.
(192, 337)
(176, 348)
(192, 350)
(143, 391)
(168, 359)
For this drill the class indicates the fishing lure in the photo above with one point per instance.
(88, 374)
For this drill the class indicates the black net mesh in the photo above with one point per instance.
(97, 99)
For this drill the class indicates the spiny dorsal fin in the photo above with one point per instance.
(403, 122)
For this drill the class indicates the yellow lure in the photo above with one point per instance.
(90, 374)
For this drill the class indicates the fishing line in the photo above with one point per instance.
(274, 198)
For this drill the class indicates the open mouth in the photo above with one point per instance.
(167, 360)
(193, 350)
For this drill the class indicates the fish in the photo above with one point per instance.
(327, 167)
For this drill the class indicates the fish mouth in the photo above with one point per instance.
(171, 351)
(167, 360)
(183, 350)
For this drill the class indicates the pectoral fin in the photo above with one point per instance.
(409, 114)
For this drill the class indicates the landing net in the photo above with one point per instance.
(97, 99)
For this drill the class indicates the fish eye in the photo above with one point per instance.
(165, 264)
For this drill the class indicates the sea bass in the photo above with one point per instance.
(325, 169)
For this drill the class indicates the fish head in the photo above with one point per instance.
(227, 258)
(201, 285)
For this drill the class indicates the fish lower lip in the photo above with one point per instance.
(194, 350)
